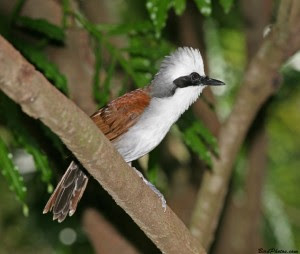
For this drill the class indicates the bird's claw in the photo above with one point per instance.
(158, 193)
(154, 189)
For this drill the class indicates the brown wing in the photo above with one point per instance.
(122, 113)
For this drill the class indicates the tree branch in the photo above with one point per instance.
(40, 100)
(260, 82)
(240, 230)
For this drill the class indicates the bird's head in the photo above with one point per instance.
(182, 70)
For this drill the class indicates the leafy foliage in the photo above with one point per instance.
(198, 137)
(179, 6)
(96, 33)
(153, 166)
(204, 6)
(158, 10)
(145, 62)
(227, 4)
(17, 10)
(43, 27)
(13, 118)
(11, 172)
(158, 13)
(140, 39)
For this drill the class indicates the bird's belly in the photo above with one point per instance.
(140, 140)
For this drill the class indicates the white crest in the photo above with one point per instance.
(182, 62)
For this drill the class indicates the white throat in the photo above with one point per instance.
(155, 122)
(167, 110)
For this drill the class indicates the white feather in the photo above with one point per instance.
(182, 62)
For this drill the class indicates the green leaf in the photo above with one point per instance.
(66, 9)
(43, 27)
(179, 6)
(156, 49)
(146, 62)
(17, 10)
(158, 10)
(40, 159)
(140, 63)
(191, 138)
(198, 137)
(227, 4)
(204, 6)
(207, 137)
(39, 59)
(101, 93)
(127, 67)
(153, 166)
(152, 173)
(12, 117)
(11, 172)
(92, 29)
(143, 79)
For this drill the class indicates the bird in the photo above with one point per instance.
(137, 122)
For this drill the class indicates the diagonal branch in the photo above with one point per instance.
(39, 99)
(260, 82)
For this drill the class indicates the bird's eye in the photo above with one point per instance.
(195, 76)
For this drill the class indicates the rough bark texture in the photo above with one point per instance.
(260, 82)
(240, 230)
(37, 97)
(239, 225)
(257, 15)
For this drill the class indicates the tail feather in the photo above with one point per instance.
(68, 193)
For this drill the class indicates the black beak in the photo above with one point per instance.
(212, 82)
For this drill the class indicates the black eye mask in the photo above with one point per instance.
(194, 79)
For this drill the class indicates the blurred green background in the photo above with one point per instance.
(96, 50)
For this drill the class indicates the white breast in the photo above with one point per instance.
(154, 123)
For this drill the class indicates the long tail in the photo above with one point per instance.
(68, 192)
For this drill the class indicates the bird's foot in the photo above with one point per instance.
(156, 191)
